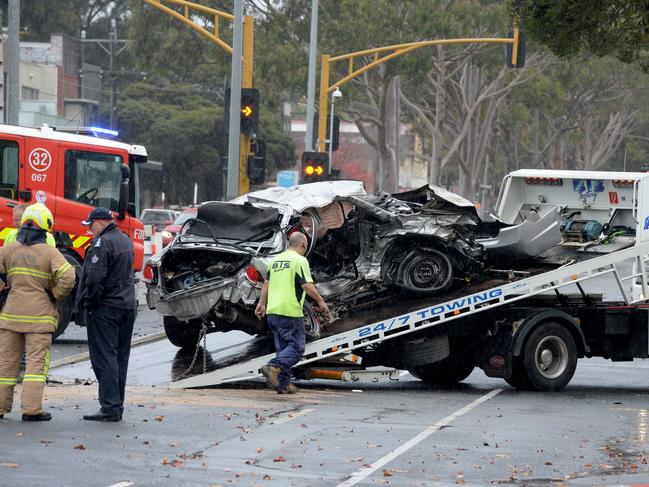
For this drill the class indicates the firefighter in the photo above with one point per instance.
(18, 211)
(107, 295)
(37, 276)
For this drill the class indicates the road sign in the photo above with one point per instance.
(286, 179)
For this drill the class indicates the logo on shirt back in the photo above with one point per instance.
(280, 265)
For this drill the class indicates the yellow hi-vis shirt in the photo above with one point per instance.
(11, 237)
(286, 274)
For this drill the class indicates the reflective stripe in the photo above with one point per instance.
(63, 268)
(8, 381)
(46, 367)
(80, 241)
(34, 378)
(6, 231)
(27, 271)
(28, 319)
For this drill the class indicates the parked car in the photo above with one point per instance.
(172, 228)
(157, 217)
(363, 249)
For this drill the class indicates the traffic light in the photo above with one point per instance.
(256, 167)
(315, 167)
(248, 110)
(519, 62)
(336, 134)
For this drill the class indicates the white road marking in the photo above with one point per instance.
(366, 472)
(291, 416)
(125, 483)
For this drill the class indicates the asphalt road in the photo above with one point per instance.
(404, 433)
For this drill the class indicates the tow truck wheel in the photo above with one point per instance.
(443, 373)
(426, 271)
(66, 306)
(518, 378)
(180, 333)
(550, 357)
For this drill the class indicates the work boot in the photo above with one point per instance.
(44, 416)
(102, 416)
(290, 389)
(272, 375)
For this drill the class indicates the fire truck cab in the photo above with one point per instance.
(71, 174)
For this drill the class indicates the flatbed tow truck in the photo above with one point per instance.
(529, 324)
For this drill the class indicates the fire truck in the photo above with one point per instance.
(71, 174)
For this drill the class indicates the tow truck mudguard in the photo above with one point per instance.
(513, 326)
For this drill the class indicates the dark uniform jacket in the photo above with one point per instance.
(107, 277)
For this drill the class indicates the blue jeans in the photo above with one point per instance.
(290, 339)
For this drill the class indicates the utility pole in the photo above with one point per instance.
(113, 47)
(310, 98)
(2, 78)
(13, 72)
(113, 76)
(235, 103)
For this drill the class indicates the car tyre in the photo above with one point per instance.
(426, 271)
(181, 333)
(550, 357)
(66, 306)
(311, 323)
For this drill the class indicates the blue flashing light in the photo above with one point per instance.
(100, 130)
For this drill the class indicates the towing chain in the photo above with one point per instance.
(200, 343)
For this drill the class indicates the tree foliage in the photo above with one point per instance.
(618, 28)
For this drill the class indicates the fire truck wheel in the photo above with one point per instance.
(180, 333)
(443, 373)
(550, 357)
(66, 306)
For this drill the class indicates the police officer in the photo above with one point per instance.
(37, 276)
(106, 295)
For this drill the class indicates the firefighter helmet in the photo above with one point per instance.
(39, 215)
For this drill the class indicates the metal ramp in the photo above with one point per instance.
(459, 307)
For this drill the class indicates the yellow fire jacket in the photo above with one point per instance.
(36, 275)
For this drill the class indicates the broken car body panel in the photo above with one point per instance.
(361, 247)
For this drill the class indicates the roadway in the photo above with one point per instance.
(403, 432)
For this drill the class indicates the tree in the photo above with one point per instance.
(618, 28)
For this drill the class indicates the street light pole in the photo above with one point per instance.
(334, 96)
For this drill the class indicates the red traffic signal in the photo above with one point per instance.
(315, 167)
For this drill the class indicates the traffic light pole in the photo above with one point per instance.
(242, 66)
(382, 55)
(234, 169)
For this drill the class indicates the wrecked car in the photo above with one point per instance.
(363, 248)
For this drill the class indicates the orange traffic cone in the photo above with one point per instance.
(154, 249)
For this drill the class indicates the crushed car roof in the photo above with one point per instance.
(312, 195)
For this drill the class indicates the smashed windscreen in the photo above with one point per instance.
(241, 223)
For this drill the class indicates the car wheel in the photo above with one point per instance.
(66, 306)
(443, 373)
(180, 333)
(311, 323)
(550, 357)
(426, 271)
